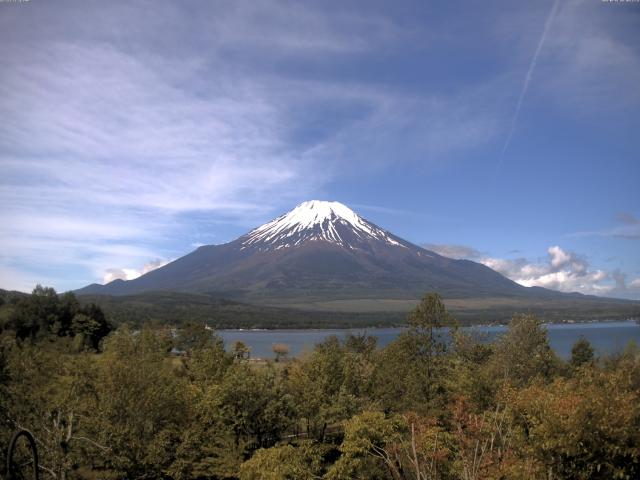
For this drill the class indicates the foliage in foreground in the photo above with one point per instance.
(421, 408)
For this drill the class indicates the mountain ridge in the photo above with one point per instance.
(322, 251)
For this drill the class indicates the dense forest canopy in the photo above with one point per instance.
(45, 313)
(117, 404)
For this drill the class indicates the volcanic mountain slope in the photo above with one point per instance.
(320, 251)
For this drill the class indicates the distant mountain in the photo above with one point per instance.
(324, 255)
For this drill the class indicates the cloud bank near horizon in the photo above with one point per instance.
(561, 270)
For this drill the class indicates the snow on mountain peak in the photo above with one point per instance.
(315, 212)
(315, 220)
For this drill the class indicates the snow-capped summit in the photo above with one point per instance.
(318, 221)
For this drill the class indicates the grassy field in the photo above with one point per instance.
(352, 305)
(487, 308)
(175, 308)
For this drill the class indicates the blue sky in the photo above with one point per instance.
(504, 132)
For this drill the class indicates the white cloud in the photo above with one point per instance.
(454, 251)
(558, 257)
(562, 270)
(112, 274)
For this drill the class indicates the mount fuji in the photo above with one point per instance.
(320, 252)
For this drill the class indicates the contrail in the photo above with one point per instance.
(527, 78)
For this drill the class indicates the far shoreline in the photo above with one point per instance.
(380, 327)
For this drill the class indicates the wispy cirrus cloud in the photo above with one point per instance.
(454, 251)
(101, 148)
(527, 78)
(94, 120)
(112, 137)
(124, 141)
(587, 61)
(628, 228)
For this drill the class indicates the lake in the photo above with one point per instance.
(606, 337)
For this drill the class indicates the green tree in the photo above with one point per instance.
(426, 324)
(193, 335)
(254, 404)
(208, 362)
(247, 410)
(470, 376)
(53, 397)
(397, 447)
(412, 370)
(586, 427)
(524, 353)
(581, 353)
(367, 451)
(68, 307)
(44, 313)
(35, 314)
(318, 386)
(286, 462)
(142, 405)
(358, 365)
(89, 326)
(399, 376)
(208, 446)
(240, 350)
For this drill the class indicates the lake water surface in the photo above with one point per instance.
(606, 337)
